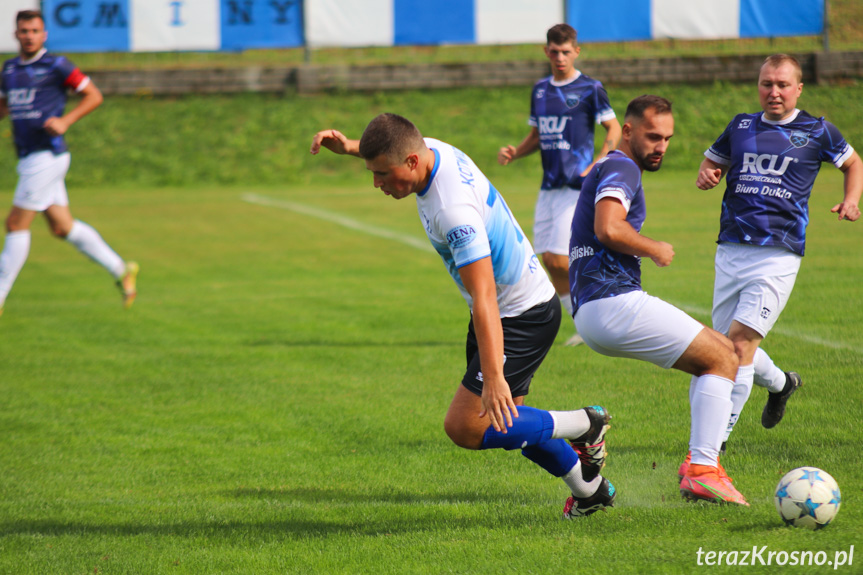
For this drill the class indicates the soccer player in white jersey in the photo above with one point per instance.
(564, 110)
(770, 160)
(33, 90)
(515, 314)
(617, 318)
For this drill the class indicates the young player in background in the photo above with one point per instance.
(564, 109)
(33, 90)
(770, 160)
(515, 314)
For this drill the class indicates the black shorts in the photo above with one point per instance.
(526, 341)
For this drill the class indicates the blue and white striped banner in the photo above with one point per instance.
(170, 25)
(620, 20)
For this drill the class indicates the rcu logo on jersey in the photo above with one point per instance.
(765, 164)
(21, 96)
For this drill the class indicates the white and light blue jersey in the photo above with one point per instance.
(596, 271)
(35, 90)
(771, 170)
(566, 114)
(467, 220)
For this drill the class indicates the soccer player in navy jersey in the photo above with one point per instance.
(617, 318)
(33, 90)
(515, 314)
(770, 160)
(564, 110)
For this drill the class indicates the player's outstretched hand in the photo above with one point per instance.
(846, 211)
(498, 404)
(708, 178)
(334, 141)
(664, 254)
(505, 155)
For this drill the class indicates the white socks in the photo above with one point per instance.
(577, 484)
(90, 243)
(569, 424)
(710, 410)
(767, 374)
(739, 395)
(15, 252)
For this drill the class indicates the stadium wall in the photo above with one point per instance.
(309, 79)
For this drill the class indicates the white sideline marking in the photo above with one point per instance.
(339, 219)
(423, 245)
(808, 338)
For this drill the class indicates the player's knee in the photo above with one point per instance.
(461, 434)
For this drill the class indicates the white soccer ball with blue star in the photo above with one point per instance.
(807, 497)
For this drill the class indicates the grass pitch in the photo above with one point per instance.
(273, 403)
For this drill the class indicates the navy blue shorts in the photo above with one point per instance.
(526, 341)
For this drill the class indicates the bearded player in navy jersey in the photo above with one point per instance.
(33, 89)
(617, 318)
(770, 160)
(515, 314)
(564, 110)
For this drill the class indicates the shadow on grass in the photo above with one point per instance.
(324, 512)
(350, 344)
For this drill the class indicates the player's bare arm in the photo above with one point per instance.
(336, 142)
(529, 145)
(497, 402)
(849, 209)
(91, 98)
(709, 174)
(613, 231)
(612, 138)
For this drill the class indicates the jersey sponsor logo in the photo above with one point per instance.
(460, 236)
(799, 139)
(540, 93)
(21, 96)
(765, 164)
(572, 100)
(551, 125)
(745, 123)
(781, 193)
(578, 252)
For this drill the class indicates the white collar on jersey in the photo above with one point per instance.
(782, 122)
(557, 84)
(38, 55)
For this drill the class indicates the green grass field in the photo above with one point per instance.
(274, 401)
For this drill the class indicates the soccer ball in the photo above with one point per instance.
(807, 497)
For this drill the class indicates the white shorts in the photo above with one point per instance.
(638, 326)
(752, 285)
(42, 181)
(552, 220)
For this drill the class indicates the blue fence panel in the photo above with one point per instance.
(610, 20)
(87, 25)
(439, 22)
(760, 19)
(248, 24)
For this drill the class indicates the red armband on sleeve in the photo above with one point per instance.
(74, 79)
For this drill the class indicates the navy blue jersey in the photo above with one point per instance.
(566, 116)
(771, 170)
(596, 271)
(35, 90)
